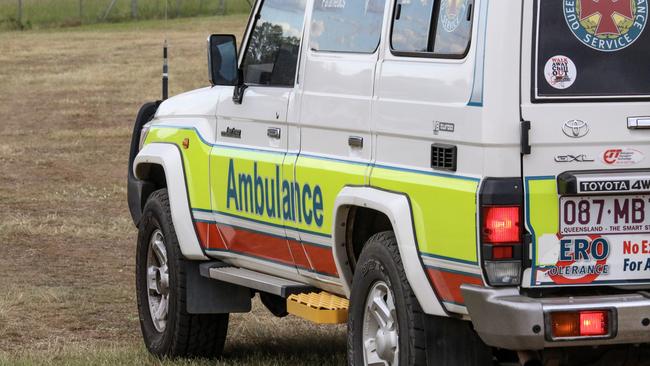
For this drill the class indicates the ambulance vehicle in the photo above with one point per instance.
(462, 182)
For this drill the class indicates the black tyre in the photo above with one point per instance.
(167, 328)
(420, 339)
(385, 323)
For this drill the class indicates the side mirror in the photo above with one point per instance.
(222, 59)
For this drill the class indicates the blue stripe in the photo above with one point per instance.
(261, 232)
(533, 277)
(435, 256)
(265, 223)
(442, 175)
(272, 261)
(454, 271)
(345, 161)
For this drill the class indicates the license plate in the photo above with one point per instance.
(585, 215)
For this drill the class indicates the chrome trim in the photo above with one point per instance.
(638, 123)
(506, 319)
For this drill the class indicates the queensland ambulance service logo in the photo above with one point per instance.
(606, 25)
(453, 12)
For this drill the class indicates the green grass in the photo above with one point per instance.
(65, 13)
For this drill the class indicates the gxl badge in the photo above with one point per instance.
(575, 128)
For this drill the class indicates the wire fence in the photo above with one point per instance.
(25, 14)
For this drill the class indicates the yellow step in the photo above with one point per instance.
(320, 308)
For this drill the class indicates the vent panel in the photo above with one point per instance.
(444, 157)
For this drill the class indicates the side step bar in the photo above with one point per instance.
(253, 280)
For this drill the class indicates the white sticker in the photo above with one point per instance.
(560, 72)
(622, 156)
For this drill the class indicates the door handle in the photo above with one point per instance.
(355, 141)
(273, 132)
(638, 123)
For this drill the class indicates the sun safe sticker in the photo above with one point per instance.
(606, 25)
(453, 12)
(592, 260)
(560, 72)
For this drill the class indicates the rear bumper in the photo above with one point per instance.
(505, 319)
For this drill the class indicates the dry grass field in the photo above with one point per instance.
(68, 99)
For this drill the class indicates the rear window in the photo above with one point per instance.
(592, 49)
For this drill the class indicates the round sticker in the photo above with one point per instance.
(606, 25)
(560, 72)
(452, 12)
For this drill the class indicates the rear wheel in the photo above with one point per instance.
(386, 323)
(167, 328)
(387, 326)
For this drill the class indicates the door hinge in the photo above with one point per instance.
(525, 137)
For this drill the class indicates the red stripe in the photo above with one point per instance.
(322, 259)
(299, 255)
(448, 284)
(290, 252)
(256, 244)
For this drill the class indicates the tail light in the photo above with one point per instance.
(588, 323)
(501, 230)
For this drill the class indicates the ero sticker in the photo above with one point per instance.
(606, 25)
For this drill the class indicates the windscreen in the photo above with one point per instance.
(592, 49)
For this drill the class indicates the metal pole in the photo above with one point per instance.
(165, 75)
(20, 12)
(222, 7)
(81, 11)
(178, 8)
(108, 10)
(134, 9)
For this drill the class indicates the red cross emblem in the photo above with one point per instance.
(606, 9)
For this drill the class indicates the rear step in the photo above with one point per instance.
(320, 308)
(253, 280)
(302, 300)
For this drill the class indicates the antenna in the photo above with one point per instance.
(165, 74)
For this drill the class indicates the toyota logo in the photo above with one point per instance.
(575, 128)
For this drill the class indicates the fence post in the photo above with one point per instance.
(20, 12)
(108, 10)
(222, 7)
(134, 9)
(81, 11)
(178, 8)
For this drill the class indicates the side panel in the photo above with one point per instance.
(397, 208)
(168, 156)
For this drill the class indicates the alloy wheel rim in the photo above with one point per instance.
(380, 328)
(158, 281)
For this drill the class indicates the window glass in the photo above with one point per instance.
(272, 54)
(441, 27)
(593, 49)
(454, 28)
(411, 30)
(347, 25)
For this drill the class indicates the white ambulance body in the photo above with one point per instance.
(473, 175)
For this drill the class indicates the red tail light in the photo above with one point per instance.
(501, 225)
(580, 324)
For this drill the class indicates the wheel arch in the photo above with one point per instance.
(396, 208)
(162, 163)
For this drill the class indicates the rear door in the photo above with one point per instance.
(586, 89)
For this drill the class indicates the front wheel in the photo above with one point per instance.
(167, 328)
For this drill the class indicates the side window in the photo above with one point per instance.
(440, 28)
(271, 56)
(347, 25)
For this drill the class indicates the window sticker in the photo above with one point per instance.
(560, 72)
(452, 14)
(606, 25)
